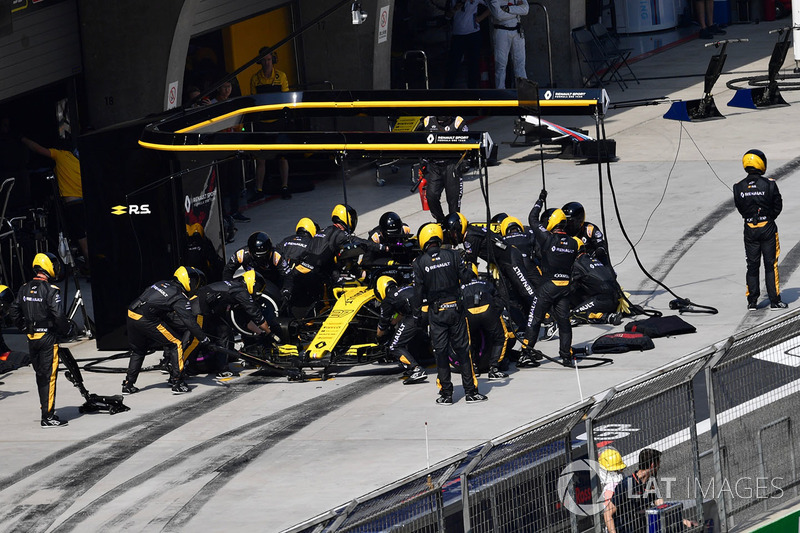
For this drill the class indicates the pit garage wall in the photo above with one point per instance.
(131, 53)
(39, 45)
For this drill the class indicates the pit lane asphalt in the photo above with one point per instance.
(259, 452)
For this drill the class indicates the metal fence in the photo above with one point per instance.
(723, 418)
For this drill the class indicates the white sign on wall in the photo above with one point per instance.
(383, 25)
(172, 95)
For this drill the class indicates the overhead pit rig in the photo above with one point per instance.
(167, 164)
(199, 130)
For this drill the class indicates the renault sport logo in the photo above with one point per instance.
(143, 209)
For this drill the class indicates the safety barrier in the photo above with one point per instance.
(724, 419)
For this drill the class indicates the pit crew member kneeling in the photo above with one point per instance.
(595, 292)
(399, 301)
(211, 306)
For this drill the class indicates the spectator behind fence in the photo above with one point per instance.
(269, 79)
(626, 511)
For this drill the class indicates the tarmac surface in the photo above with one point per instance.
(259, 452)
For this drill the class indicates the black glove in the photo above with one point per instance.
(543, 195)
(205, 343)
(286, 296)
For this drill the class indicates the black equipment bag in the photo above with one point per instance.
(661, 326)
(622, 342)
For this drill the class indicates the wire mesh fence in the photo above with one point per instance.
(723, 423)
(756, 395)
(513, 486)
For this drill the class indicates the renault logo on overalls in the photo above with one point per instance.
(430, 138)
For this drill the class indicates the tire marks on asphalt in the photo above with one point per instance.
(699, 230)
(45, 490)
(220, 459)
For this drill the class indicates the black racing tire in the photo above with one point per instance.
(268, 300)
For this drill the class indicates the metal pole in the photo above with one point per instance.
(549, 48)
(600, 144)
(715, 446)
(343, 161)
(796, 34)
(695, 453)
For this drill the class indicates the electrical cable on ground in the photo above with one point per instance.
(683, 305)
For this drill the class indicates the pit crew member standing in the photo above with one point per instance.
(438, 275)
(294, 246)
(396, 236)
(444, 174)
(759, 201)
(399, 301)
(593, 239)
(559, 252)
(158, 319)
(38, 313)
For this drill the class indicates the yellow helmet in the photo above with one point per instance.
(611, 460)
(307, 225)
(382, 285)
(344, 214)
(47, 263)
(428, 232)
(755, 160)
(190, 278)
(558, 217)
(506, 224)
(6, 299)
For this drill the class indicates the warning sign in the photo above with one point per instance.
(383, 25)
(172, 95)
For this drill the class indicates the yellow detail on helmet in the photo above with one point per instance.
(308, 225)
(182, 275)
(753, 160)
(555, 219)
(382, 285)
(611, 460)
(44, 262)
(249, 278)
(428, 232)
(341, 213)
(464, 223)
(196, 228)
(507, 223)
